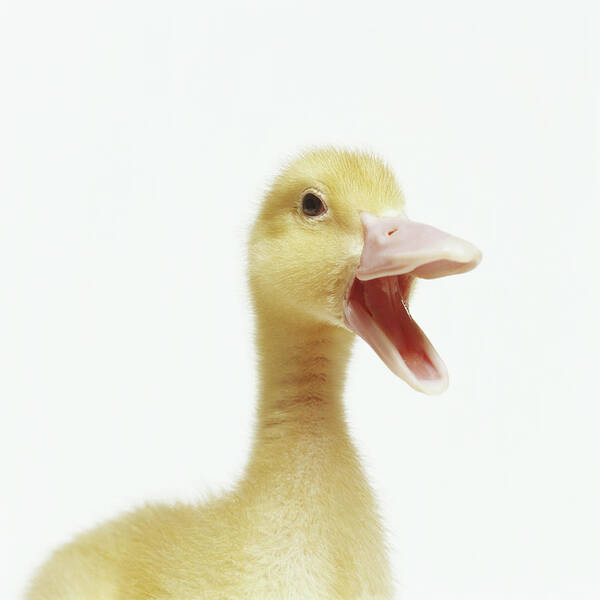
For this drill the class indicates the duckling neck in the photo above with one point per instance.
(302, 373)
(301, 431)
(304, 485)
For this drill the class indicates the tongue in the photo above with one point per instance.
(377, 311)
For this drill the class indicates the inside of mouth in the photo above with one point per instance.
(378, 311)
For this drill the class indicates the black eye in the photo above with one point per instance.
(312, 205)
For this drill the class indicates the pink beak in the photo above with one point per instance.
(396, 245)
(395, 251)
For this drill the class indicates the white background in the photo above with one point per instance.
(136, 138)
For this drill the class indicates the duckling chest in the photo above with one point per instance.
(318, 539)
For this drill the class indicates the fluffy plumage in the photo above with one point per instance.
(302, 522)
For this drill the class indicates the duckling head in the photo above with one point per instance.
(332, 245)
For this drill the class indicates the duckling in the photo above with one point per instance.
(331, 255)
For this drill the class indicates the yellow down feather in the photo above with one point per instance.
(302, 521)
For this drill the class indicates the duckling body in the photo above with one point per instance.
(302, 522)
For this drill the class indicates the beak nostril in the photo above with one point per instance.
(392, 231)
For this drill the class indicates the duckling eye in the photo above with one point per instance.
(312, 205)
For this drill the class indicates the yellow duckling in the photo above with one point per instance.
(331, 254)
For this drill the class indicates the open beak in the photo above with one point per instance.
(395, 251)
